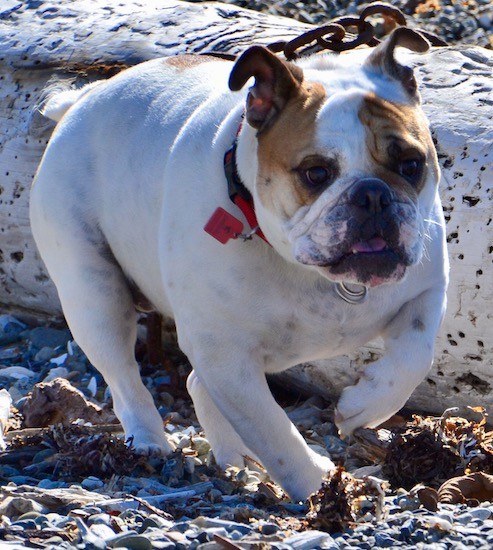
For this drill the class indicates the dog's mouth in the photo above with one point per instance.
(371, 249)
(372, 246)
(371, 262)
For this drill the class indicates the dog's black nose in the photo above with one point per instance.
(371, 194)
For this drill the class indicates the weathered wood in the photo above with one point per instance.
(38, 39)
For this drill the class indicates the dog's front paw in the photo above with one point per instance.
(317, 473)
(150, 445)
(367, 404)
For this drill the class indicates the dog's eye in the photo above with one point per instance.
(318, 176)
(410, 169)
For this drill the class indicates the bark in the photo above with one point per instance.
(45, 39)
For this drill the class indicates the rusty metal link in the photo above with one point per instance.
(387, 10)
(315, 35)
(332, 36)
(365, 34)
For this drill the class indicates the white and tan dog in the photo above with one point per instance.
(337, 156)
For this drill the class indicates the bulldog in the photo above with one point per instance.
(334, 167)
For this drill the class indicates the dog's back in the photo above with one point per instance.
(127, 127)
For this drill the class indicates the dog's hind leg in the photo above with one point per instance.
(99, 310)
(227, 445)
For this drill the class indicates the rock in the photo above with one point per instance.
(17, 372)
(11, 325)
(45, 354)
(92, 483)
(102, 531)
(131, 541)
(269, 528)
(56, 372)
(14, 507)
(308, 540)
(59, 401)
(41, 337)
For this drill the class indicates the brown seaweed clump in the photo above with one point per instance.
(343, 499)
(431, 450)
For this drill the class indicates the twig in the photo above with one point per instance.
(151, 508)
(32, 432)
(226, 543)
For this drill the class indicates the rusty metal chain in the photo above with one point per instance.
(346, 33)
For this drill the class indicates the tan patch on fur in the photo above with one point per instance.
(283, 146)
(186, 61)
(389, 124)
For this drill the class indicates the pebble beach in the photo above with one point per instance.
(69, 480)
(77, 484)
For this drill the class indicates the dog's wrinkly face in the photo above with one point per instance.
(346, 165)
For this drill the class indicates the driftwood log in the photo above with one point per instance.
(69, 39)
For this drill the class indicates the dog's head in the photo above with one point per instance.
(346, 171)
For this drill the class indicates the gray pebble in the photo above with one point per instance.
(133, 542)
(51, 484)
(420, 535)
(102, 531)
(481, 513)
(8, 471)
(408, 503)
(464, 518)
(45, 354)
(308, 540)
(92, 483)
(164, 544)
(41, 337)
(101, 518)
(25, 524)
(269, 528)
(119, 540)
(486, 21)
(384, 540)
(408, 528)
(235, 534)
(41, 456)
(449, 516)
(205, 523)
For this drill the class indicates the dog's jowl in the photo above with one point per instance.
(334, 161)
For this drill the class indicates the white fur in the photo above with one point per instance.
(57, 103)
(129, 179)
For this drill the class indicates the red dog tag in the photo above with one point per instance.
(223, 226)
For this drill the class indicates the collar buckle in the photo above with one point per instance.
(352, 297)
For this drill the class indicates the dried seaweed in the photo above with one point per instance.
(81, 452)
(343, 500)
(330, 508)
(76, 451)
(419, 455)
(433, 449)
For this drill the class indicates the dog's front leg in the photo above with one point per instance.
(386, 384)
(239, 392)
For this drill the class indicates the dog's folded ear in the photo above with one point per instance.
(276, 81)
(382, 57)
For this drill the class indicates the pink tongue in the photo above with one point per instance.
(373, 245)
